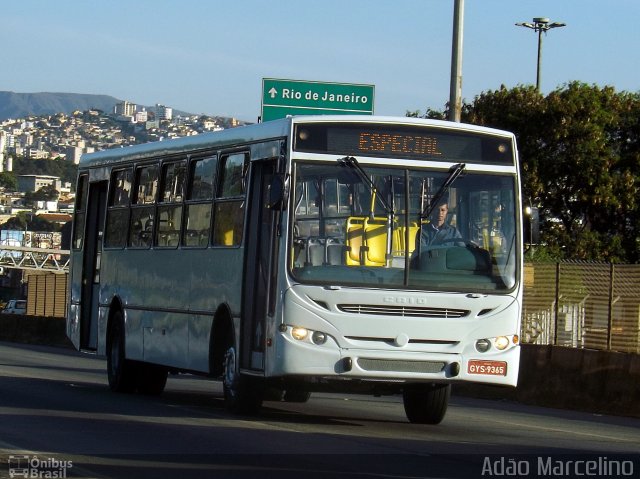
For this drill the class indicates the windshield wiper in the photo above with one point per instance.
(454, 172)
(351, 162)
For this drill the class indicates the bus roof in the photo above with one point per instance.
(256, 132)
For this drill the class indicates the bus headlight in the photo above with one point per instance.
(319, 338)
(483, 345)
(501, 342)
(299, 333)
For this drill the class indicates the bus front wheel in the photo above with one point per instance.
(426, 403)
(152, 379)
(242, 394)
(296, 395)
(121, 371)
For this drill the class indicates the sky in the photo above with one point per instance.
(210, 56)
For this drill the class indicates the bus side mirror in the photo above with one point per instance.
(531, 225)
(277, 193)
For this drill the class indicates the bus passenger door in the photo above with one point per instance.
(259, 268)
(97, 203)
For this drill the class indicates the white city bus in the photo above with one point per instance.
(286, 257)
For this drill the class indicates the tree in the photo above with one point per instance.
(29, 222)
(8, 181)
(588, 186)
(67, 171)
(16, 223)
(46, 193)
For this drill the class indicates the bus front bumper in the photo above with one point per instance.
(304, 357)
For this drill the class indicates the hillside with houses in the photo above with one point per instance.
(38, 153)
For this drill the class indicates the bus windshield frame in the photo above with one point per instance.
(350, 232)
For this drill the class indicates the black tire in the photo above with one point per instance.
(242, 394)
(121, 372)
(151, 379)
(296, 395)
(426, 403)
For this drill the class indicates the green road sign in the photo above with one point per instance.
(298, 97)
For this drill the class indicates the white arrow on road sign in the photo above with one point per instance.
(273, 92)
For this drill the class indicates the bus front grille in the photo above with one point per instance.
(391, 365)
(405, 311)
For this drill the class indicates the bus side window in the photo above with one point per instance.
(118, 208)
(143, 208)
(228, 221)
(170, 208)
(200, 191)
(80, 208)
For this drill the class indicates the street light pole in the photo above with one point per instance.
(455, 88)
(540, 25)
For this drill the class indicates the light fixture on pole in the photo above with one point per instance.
(540, 24)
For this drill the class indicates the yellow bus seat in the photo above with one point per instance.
(375, 235)
(355, 240)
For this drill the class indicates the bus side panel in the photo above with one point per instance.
(199, 335)
(133, 320)
(165, 338)
(215, 279)
(170, 298)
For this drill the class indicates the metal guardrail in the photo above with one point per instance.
(39, 259)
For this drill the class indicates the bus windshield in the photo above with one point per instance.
(359, 225)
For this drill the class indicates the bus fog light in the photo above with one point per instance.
(483, 345)
(319, 338)
(299, 333)
(502, 342)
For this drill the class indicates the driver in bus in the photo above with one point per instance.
(437, 232)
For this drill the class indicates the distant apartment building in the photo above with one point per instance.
(141, 116)
(73, 153)
(25, 139)
(32, 183)
(163, 112)
(3, 147)
(125, 109)
(35, 153)
(152, 124)
(210, 125)
(6, 163)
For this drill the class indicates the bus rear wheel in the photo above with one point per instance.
(242, 394)
(121, 371)
(426, 403)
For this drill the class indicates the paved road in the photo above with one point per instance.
(58, 416)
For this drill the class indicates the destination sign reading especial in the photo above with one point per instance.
(298, 97)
